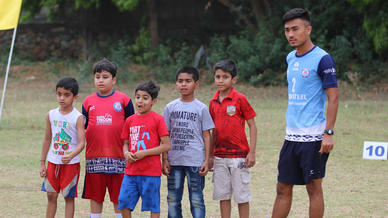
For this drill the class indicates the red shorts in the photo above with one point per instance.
(95, 186)
(62, 177)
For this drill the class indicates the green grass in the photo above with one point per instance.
(353, 187)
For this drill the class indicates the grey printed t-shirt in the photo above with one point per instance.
(185, 121)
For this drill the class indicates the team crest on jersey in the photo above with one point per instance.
(305, 72)
(231, 110)
(117, 106)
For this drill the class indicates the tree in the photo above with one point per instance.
(375, 22)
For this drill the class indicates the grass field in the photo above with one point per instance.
(353, 187)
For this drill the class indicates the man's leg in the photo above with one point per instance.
(283, 200)
(226, 208)
(314, 189)
(243, 210)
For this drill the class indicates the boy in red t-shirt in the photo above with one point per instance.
(145, 137)
(105, 112)
(232, 156)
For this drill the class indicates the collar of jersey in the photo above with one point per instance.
(113, 91)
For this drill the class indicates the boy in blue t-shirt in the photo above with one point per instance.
(189, 122)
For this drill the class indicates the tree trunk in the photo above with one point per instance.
(153, 13)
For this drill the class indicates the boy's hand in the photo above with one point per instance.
(250, 160)
(43, 169)
(130, 157)
(139, 155)
(211, 164)
(66, 159)
(204, 168)
(166, 167)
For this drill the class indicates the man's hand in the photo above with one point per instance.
(327, 144)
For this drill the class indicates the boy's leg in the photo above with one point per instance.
(126, 213)
(114, 185)
(226, 208)
(175, 184)
(69, 207)
(155, 215)
(243, 210)
(51, 204)
(196, 184)
(96, 207)
(314, 190)
(283, 200)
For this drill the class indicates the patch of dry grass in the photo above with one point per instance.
(353, 187)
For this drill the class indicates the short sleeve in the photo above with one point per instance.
(207, 121)
(327, 72)
(166, 116)
(247, 109)
(162, 128)
(124, 132)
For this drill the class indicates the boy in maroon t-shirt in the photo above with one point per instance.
(232, 155)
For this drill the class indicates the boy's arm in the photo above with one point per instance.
(205, 166)
(332, 108)
(45, 147)
(250, 160)
(211, 150)
(163, 147)
(81, 141)
(165, 164)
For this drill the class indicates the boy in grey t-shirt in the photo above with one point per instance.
(189, 122)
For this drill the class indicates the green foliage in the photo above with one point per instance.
(375, 22)
(126, 5)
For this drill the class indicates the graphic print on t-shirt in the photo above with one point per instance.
(61, 142)
(136, 144)
(181, 133)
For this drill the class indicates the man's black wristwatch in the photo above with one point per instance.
(329, 131)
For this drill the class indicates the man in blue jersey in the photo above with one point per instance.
(311, 79)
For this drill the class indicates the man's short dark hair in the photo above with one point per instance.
(188, 70)
(150, 87)
(68, 83)
(297, 13)
(105, 65)
(226, 66)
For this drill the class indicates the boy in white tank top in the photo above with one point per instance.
(64, 140)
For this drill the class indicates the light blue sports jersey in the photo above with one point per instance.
(307, 77)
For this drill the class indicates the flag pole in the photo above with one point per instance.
(8, 65)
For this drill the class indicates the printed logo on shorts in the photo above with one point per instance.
(117, 106)
(231, 110)
(305, 72)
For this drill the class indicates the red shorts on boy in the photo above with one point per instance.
(96, 183)
(62, 177)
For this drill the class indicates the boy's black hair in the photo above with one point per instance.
(297, 13)
(68, 83)
(106, 65)
(189, 70)
(226, 66)
(150, 87)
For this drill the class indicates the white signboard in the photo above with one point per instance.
(375, 150)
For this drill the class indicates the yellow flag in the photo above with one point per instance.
(9, 13)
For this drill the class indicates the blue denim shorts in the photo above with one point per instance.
(301, 162)
(146, 187)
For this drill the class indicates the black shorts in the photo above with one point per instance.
(300, 162)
